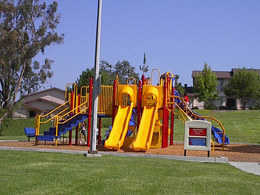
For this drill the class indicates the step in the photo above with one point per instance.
(45, 137)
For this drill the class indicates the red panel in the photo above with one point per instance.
(197, 132)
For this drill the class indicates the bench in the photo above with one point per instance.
(29, 132)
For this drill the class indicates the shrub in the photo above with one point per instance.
(210, 107)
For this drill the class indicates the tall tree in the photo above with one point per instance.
(178, 86)
(205, 86)
(86, 75)
(144, 67)
(27, 27)
(124, 70)
(243, 85)
(108, 73)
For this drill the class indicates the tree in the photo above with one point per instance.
(86, 75)
(144, 68)
(124, 70)
(243, 85)
(178, 86)
(205, 86)
(108, 73)
(27, 27)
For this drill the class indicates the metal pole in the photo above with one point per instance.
(93, 144)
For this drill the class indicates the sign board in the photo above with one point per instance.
(197, 135)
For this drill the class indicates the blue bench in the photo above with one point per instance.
(29, 132)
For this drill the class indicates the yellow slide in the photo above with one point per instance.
(145, 132)
(120, 126)
(144, 136)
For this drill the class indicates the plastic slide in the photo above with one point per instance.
(119, 130)
(144, 136)
(145, 132)
(217, 133)
(120, 126)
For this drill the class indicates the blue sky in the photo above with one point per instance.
(176, 35)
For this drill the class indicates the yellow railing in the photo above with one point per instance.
(105, 100)
(105, 106)
(38, 118)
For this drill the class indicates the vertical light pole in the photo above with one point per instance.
(95, 87)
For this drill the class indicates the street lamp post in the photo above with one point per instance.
(93, 143)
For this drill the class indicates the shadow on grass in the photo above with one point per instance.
(243, 148)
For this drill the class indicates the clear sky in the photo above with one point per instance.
(176, 35)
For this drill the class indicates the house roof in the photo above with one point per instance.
(221, 74)
(49, 89)
(52, 99)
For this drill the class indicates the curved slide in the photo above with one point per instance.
(217, 133)
(120, 126)
(144, 136)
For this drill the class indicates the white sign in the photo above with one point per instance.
(197, 135)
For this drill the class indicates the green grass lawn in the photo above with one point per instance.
(242, 126)
(56, 173)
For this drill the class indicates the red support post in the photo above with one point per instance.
(164, 132)
(172, 118)
(76, 135)
(143, 77)
(89, 109)
(114, 102)
(139, 102)
(78, 103)
(71, 113)
(70, 137)
(167, 128)
(72, 102)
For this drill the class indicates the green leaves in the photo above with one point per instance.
(205, 86)
(27, 27)
(108, 73)
(243, 85)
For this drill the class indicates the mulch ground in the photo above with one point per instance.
(234, 152)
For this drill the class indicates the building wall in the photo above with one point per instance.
(42, 105)
(196, 103)
(24, 112)
(34, 104)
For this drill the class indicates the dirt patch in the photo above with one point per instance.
(234, 152)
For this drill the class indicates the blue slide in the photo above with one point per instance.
(217, 133)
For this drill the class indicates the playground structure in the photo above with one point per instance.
(142, 115)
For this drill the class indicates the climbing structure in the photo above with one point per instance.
(142, 115)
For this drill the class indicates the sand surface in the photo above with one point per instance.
(234, 152)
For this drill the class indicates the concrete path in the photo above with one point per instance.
(250, 167)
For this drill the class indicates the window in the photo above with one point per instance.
(220, 84)
(32, 114)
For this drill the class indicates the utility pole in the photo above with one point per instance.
(93, 144)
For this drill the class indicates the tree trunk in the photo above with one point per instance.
(14, 97)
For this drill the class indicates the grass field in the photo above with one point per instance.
(242, 126)
(55, 173)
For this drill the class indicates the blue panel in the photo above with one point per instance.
(197, 141)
